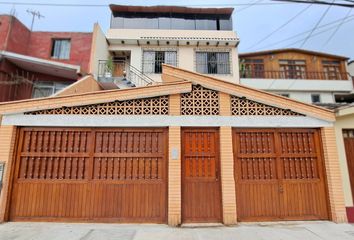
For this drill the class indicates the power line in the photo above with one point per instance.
(251, 5)
(318, 33)
(106, 5)
(318, 2)
(280, 27)
(351, 17)
(338, 27)
(317, 24)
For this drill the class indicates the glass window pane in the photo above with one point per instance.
(164, 23)
(180, 23)
(206, 24)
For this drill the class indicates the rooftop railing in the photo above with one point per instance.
(294, 75)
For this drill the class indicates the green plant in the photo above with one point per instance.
(109, 65)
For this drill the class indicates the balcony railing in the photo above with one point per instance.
(294, 75)
(121, 70)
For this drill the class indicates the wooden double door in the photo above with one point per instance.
(201, 185)
(279, 175)
(84, 174)
(348, 135)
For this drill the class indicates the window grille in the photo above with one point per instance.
(153, 60)
(213, 62)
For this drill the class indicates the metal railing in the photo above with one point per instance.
(294, 75)
(111, 70)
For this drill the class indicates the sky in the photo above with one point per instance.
(253, 23)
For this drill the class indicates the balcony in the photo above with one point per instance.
(122, 74)
(294, 75)
(297, 81)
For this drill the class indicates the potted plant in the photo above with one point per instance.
(109, 67)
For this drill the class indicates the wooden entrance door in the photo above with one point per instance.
(97, 175)
(201, 189)
(348, 135)
(279, 175)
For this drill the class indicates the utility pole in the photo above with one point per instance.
(34, 15)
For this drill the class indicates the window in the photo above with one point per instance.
(284, 94)
(213, 62)
(46, 89)
(61, 49)
(153, 60)
(331, 70)
(315, 98)
(293, 69)
(252, 68)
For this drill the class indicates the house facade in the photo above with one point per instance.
(192, 149)
(39, 64)
(307, 76)
(141, 39)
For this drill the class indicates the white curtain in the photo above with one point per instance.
(223, 63)
(149, 62)
(61, 49)
(171, 58)
(202, 62)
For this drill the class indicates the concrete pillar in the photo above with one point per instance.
(7, 146)
(227, 177)
(334, 180)
(174, 176)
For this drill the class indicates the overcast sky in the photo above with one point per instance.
(251, 23)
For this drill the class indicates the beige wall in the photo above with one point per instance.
(185, 58)
(344, 122)
(99, 50)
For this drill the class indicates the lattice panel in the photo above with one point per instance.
(300, 168)
(147, 106)
(200, 101)
(244, 106)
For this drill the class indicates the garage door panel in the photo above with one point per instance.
(257, 201)
(91, 175)
(304, 200)
(287, 163)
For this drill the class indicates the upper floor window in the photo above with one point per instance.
(163, 20)
(153, 60)
(331, 70)
(61, 49)
(293, 69)
(213, 62)
(46, 89)
(252, 68)
(315, 98)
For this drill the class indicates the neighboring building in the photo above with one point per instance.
(192, 149)
(38, 64)
(344, 126)
(307, 76)
(141, 39)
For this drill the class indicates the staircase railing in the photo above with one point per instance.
(111, 70)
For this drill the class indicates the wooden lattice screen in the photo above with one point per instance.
(244, 106)
(146, 106)
(200, 101)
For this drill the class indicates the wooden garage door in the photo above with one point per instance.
(348, 135)
(201, 189)
(104, 175)
(279, 175)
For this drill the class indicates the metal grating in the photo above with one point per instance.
(146, 106)
(244, 106)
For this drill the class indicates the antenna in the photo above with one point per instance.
(34, 15)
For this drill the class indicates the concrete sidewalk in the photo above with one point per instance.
(266, 231)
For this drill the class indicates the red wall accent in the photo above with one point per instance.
(40, 46)
(350, 214)
(16, 37)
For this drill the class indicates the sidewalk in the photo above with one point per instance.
(266, 231)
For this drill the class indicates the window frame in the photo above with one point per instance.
(52, 85)
(216, 51)
(331, 74)
(157, 68)
(290, 69)
(52, 51)
(316, 95)
(253, 68)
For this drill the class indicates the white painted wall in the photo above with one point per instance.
(185, 58)
(351, 68)
(99, 50)
(326, 97)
